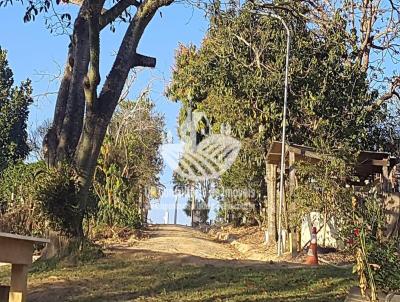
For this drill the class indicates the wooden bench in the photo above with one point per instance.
(18, 251)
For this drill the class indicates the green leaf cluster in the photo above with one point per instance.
(129, 163)
(236, 77)
(19, 210)
(14, 110)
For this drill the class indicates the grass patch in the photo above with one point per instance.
(144, 276)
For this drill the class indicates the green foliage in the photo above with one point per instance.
(378, 260)
(129, 164)
(236, 77)
(322, 187)
(35, 199)
(242, 189)
(121, 214)
(387, 264)
(201, 209)
(14, 103)
(58, 194)
(20, 212)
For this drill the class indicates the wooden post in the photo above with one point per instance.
(292, 187)
(385, 175)
(292, 172)
(19, 279)
(293, 239)
(271, 201)
(4, 293)
(298, 239)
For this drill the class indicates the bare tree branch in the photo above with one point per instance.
(387, 96)
(110, 15)
(143, 61)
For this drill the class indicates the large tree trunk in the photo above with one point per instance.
(62, 138)
(81, 116)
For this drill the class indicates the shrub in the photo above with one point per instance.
(34, 199)
(19, 209)
(58, 194)
(378, 260)
(118, 214)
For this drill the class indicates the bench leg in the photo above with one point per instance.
(19, 280)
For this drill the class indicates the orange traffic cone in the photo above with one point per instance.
(312, 255)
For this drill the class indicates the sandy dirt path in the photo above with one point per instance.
(132, 269)
(181, 241)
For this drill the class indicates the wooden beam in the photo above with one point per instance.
(382, 163)
(292, 187)
(304, 153)
(271, 201)
(15, 251)
(24, 238)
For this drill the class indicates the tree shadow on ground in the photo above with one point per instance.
(140, 275)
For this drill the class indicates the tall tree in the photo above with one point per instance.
(14, 110)
(84, 108)
(372, 30)
(237, 77)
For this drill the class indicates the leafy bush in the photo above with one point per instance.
(119, 214)
(322, 188)
(378, 260)
(58, 194)
(34, 199)
(19, 209)
(128, 164)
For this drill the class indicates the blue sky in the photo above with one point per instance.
(35, 53)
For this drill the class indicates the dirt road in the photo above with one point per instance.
(185, 243)
(177, 263)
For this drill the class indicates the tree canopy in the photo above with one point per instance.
(14, 110)
(237, 77)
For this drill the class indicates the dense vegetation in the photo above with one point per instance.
(35, 198)
(236, 77)
(102, 162)
(14, 103)
(127, 174)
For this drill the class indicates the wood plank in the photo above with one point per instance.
(382, 163)
(305, 153)
(15, 251)
(25, 238)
